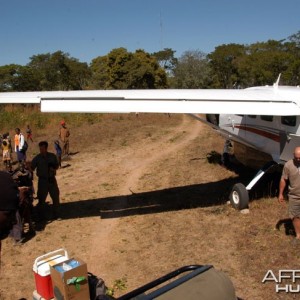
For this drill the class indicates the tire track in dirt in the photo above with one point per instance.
(133, 165)
(161, 150)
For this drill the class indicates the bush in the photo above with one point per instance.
(16, 115)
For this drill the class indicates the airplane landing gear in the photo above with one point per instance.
(239, 197)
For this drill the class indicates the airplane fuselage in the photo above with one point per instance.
(275, 135)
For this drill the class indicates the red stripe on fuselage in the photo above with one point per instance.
(269, 135)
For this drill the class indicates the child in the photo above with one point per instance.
(58, 151)
(6, 149)
(29, 133)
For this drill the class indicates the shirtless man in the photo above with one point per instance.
(64, 134)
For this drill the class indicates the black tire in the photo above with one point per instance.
(239, 197)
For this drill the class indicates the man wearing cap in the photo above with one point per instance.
(9, 203)
(64, 134)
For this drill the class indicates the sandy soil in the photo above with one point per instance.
(139, 199)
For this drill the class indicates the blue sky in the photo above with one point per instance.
(87, 29)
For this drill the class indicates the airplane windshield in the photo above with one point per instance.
(289, 120)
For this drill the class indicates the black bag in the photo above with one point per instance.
(97, 288)
(25, 147)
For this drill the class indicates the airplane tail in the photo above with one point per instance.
(276, 84)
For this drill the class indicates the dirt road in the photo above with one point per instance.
(140, 199)
(131, 166)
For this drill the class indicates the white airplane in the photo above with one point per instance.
(264, 118)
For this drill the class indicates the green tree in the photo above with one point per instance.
(40, 66)
(293, 71)
(266, 60)
(192, 71)
(100, 73)
(117, 69)
(26, 80)
(295, 38)
(80, 74)
(121, 69)
(224, 62)
(8, 73)
(58, 71)
(143, 72)
(166, 59)
(17, 78)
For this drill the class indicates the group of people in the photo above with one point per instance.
(45, 164)
(20, 146)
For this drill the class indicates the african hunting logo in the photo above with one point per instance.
(286, 281)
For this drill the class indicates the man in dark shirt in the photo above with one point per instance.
(9, 203)
(24, 179)
(46, 165)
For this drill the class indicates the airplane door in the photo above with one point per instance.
(289, 137)
(287, 145)
(239, 125)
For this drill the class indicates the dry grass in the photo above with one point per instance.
(139, 199)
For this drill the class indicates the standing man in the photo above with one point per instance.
(291, 176)
(19, 146)
(46, 165)
(9, 204)
(64, 134)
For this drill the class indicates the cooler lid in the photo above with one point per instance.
(42, 264)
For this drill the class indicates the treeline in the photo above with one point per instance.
(228, 66)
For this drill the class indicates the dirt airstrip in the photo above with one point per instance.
(140, 199)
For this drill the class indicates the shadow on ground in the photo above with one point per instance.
(288, 226)
(171, 199)
(192, 196)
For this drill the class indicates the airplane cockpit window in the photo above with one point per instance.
(267, 118)
(252, 116)
(289, 120)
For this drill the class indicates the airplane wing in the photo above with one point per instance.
(252, 101)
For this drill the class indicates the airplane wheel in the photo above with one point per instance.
(239, 197)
